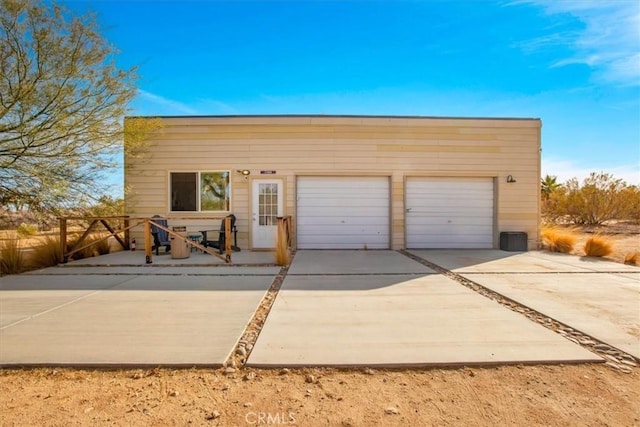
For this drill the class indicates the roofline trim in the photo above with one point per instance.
(329, 116)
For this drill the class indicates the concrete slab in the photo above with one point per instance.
(138, 258)
(398, 320)
(126, 320)
(157, 270)
(77, 270)
(328, 262)
(606, 306)
(23, 297)
(496, 261)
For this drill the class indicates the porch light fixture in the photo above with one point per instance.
(511, 179)
(245, 172)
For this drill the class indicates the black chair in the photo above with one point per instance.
(160, 236)
(209, 240)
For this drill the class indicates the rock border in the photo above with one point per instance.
(242, 350)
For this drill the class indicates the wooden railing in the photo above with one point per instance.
(106, 221)
(148, 239)
(126, 224)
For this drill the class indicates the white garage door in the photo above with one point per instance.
(449, 212)
(343, 213)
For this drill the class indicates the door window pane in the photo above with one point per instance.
(268, 204)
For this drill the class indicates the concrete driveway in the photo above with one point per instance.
(598, 297)
(371, 308)
(127, 315)
(335, 308)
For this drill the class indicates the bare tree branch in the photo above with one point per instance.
(62, 103)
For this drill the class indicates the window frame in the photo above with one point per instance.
(198, 174)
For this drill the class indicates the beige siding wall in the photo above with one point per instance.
(295, 146)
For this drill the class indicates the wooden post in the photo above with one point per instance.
(147, 241)
(126, 232)
(289, 234)
(63, 239)
(227, 238)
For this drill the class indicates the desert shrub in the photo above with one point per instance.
(598, 246)
(632, 195)
(599, 198)
(91, 246)
(27, 230)
(558, 240)
(632, 258)
(102, 247)
(47, 253)
(86, 252)
(11, 259)
(552, 206)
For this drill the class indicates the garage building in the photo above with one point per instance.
(348, 182)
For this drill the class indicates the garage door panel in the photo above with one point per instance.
(468, 229)
(346, 230)
(455, 209)
(344, 245)
(449, 212)
(339, 221)
(343, 213)
(343, 241)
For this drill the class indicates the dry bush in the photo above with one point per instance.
(598, 246)
(599, 198)
(557, 240)
(47, 253)
(92, 246)
(102, 247)
(11, 259)
(632, 258)
(86, 252)
(27, 230)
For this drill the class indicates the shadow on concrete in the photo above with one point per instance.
(258, 282)
(351, 282)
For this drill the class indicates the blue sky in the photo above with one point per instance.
(575, 64)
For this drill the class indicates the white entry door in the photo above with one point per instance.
(267, 207)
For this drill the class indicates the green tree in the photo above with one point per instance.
(62, 101)
(106, 206)
(548, 185)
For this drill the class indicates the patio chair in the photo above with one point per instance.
(160, 236)
(209, 236)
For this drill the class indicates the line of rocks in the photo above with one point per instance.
(614, 357)
(241, 352)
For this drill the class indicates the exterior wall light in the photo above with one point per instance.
(511, 179)
(245, 172)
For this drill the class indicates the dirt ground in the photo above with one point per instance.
(568, 395)
(625, 238)
(560, 395)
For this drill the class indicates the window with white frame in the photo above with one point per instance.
(200, 191)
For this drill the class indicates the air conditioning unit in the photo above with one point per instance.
(513, 241)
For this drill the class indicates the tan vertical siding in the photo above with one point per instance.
(325, 145)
